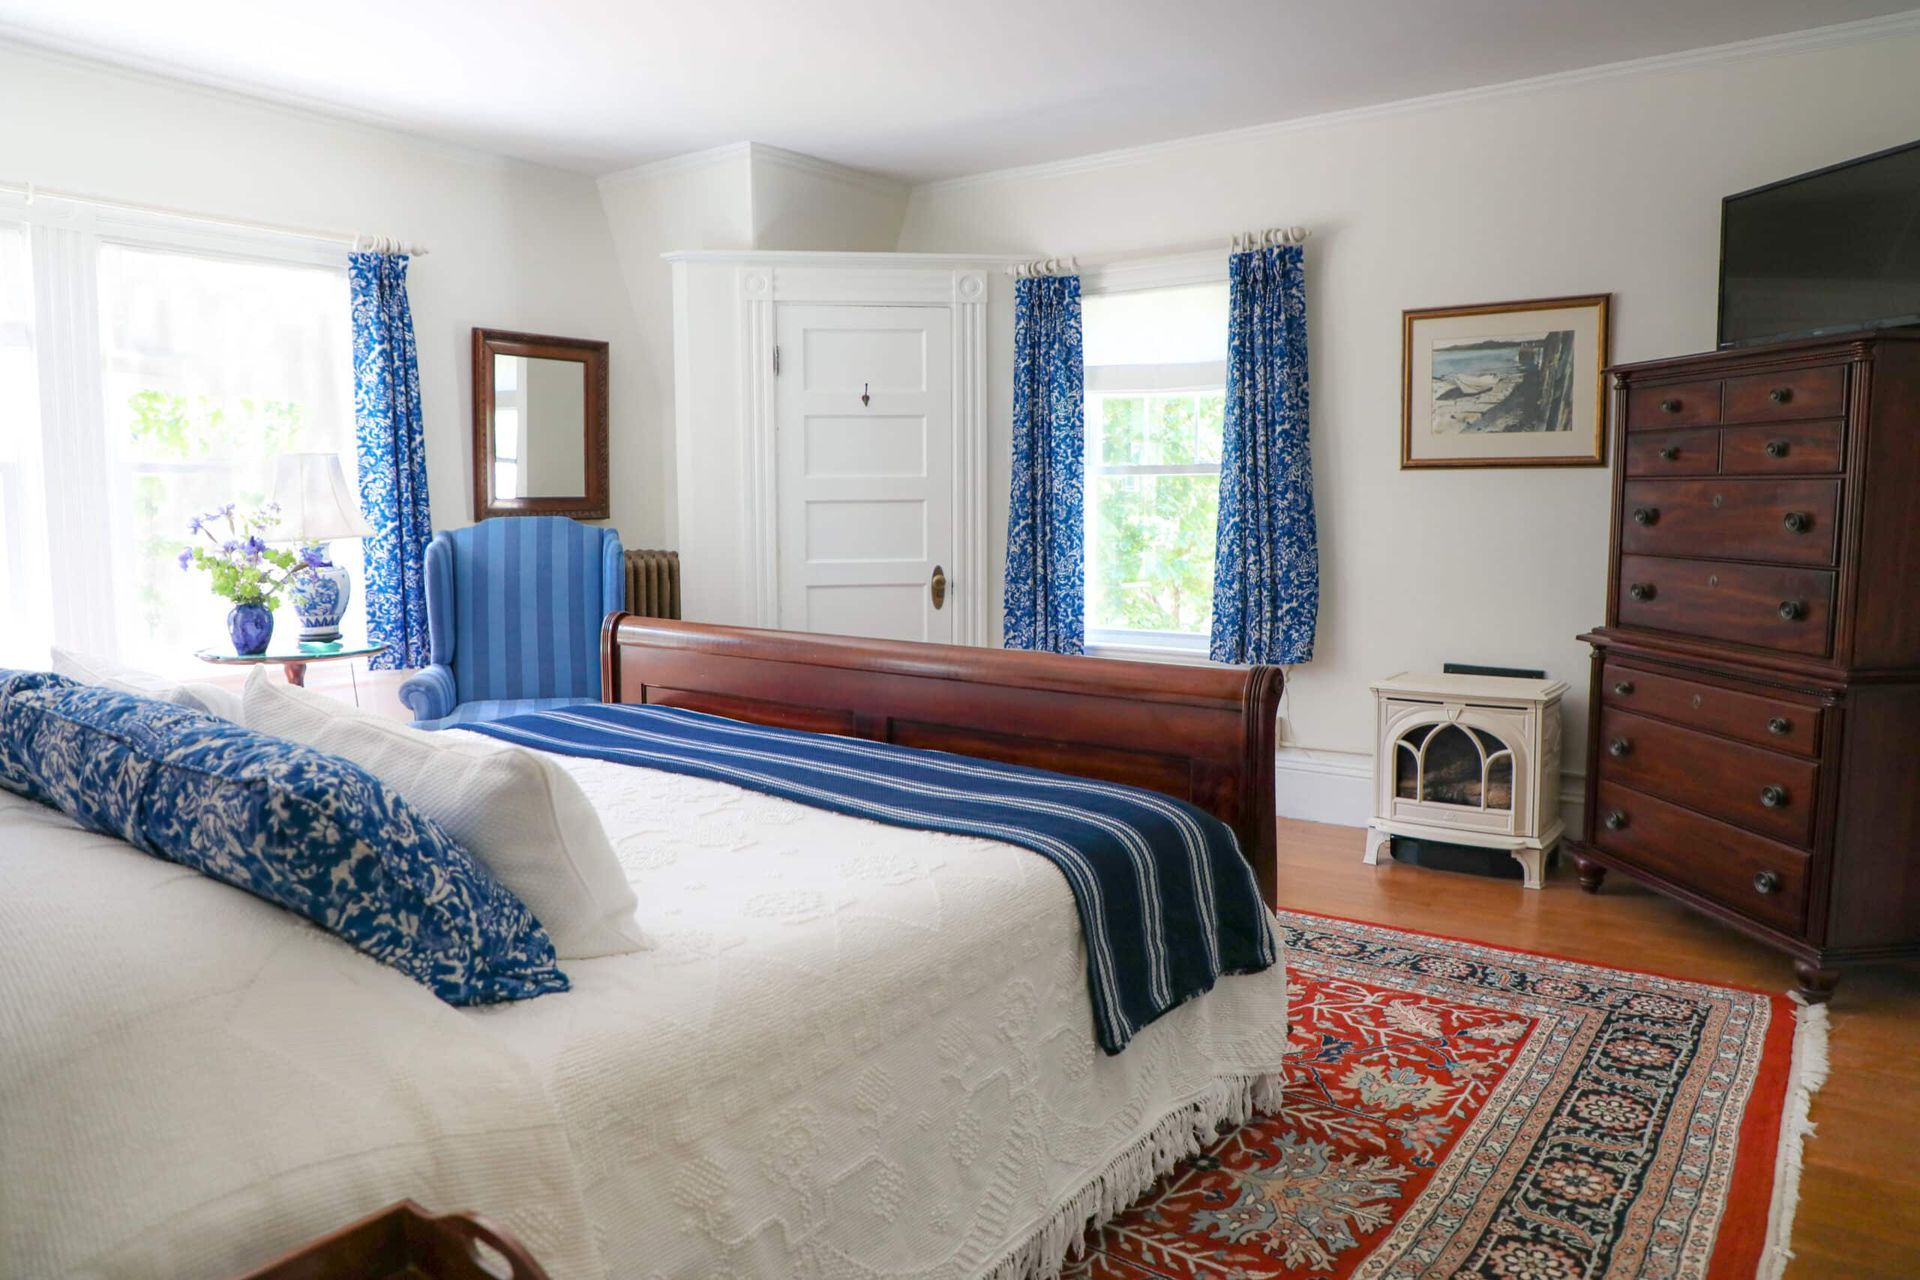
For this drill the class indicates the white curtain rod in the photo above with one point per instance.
(356, 243)
(1239, 242)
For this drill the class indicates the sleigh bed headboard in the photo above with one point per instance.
(1203, 734)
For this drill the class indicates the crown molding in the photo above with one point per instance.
(673, 166)
(865, 180)
(754, 153)
(230, 92)
(1837, 36)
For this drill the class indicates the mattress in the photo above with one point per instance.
(852, 1051)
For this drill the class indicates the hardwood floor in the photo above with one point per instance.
(1859, 1215)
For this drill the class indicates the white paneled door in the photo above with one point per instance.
(864, 407)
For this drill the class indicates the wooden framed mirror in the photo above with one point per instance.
(539, 426)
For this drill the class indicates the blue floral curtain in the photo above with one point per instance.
(1266, 570)
(392, 449)
(1046, 567)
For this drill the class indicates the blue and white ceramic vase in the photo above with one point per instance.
(320, 599)
(251, 628)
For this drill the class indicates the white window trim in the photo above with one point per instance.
(1169, 272)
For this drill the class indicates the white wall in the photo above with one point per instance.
(741, 196)
(513, 246)
(701, 201)
(1606, 184)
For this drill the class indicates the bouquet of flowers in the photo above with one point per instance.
(243, 567)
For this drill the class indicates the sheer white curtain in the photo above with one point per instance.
(150, 372)
(26, 616)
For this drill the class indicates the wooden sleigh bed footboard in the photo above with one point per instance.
(1202, 734)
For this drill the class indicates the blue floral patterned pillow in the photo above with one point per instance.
(309, 831)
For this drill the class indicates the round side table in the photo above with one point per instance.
(292, 658)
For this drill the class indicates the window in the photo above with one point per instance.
(187, 360)
(213, 368)
(1156, 401)
(26, 623)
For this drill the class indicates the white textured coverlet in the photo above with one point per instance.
(855, 1051)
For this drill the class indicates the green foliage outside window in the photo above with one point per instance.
(1150, 549)
(192, 453)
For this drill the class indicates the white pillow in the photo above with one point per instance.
(512, 809)
(90, 669)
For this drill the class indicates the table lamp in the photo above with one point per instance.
(315, 508)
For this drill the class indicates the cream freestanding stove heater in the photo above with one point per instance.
(1471, 760)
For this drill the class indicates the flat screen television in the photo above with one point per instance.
(1831, 250)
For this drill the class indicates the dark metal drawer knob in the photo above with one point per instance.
(1641, 590)
(1780, 395)
(1797, 521)
(1773, 797)
(1779, 726)
(1623, 687)
(1792, 610)
(1615, 819)
(1767, 882)
(1670, 405)
(1645, 515)
(1620, 747)
(1669, 452)
(1776, 448)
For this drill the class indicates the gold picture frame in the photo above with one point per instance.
(1505, 384)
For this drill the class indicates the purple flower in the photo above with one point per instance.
(193, 525)
(315, 556)
(254, 546)
(228, 547)
(186, 561)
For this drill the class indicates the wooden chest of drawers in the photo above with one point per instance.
(1755, 712)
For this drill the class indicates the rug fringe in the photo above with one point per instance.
(1804, 1078)
(1182, 1133)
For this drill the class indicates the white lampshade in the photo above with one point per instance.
(315, 504)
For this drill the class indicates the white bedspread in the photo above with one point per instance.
(854, 1051)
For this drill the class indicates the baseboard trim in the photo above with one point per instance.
(1337, 787)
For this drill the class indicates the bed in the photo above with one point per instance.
(853, 1050)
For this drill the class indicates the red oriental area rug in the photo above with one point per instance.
(1454, 1109)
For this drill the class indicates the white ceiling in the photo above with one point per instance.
(913, 88)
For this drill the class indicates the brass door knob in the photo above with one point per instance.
(1776, 448)
(1623, 687)
(1779, 726)
(1792, 610)
(937, 587)
(1797, 521)
(1773, 797)
(1767, 882)
(1645, 515)
(1780, 395)
(1641, 590)
(1669, 452)
(1615, 819)
(1620, 747)
(1670, 405)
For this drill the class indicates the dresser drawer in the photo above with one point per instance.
(1764, 719)
(1688, 452)
(1762, 791)
(1764, 605)
(1789, 448)
(1759, 878)
(1793, 521)
(1802, 393)
(1680, 404)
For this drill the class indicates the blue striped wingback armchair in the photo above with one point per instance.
(514, 607)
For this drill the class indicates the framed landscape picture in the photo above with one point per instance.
(1508, 384)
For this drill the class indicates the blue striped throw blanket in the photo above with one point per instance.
(1166, 902)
